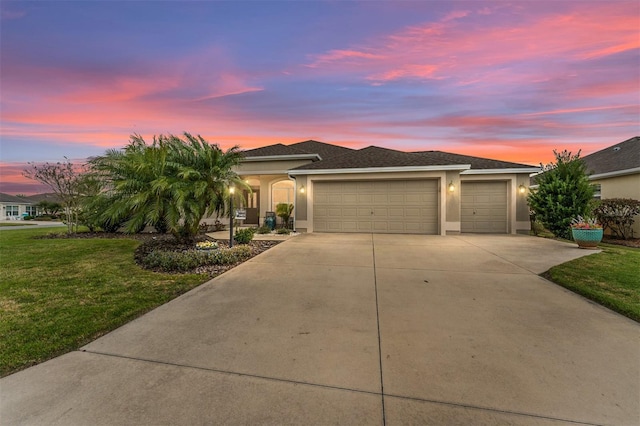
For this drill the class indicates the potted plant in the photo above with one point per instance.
(586, 232)
(284, 211)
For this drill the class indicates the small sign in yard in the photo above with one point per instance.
(241, 214)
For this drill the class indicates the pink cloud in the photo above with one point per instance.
(463, 46)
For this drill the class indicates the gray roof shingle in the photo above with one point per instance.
(622, 156)
(325, 150)
(277, 149)
(475, 162)
(7, 198)
(372, 156)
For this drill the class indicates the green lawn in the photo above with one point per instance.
(611, 278)
(58, 294)
(17, 224)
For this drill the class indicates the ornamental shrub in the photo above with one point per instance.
(244, 236)
(188, 260)
(618, 215)
(263, 230)
(563, 193)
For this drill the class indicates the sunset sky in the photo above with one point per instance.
(510, 80)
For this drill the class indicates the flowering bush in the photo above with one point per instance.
(207, 245)
(585, 223)
(618, 215)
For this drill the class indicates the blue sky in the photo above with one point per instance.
(502, 79)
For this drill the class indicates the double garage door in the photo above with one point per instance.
(393, 206)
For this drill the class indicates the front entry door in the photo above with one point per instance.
(253, 207)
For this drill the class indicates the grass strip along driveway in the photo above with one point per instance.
(610, 278)
(59, 294)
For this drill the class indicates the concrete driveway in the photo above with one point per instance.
(356, 329)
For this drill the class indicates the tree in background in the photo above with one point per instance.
(563, 193)
(62, 178)
(170, 184)
(50, 208)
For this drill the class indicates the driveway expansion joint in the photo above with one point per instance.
(375, 285)
(228, 372)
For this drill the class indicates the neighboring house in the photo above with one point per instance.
(337, 189)
(616, 172)
(14, 207)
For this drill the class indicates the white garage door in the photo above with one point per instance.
(392, 206)
(484, 207)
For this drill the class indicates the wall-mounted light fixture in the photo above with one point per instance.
(302, 189)
(452, 187)
(522, 189)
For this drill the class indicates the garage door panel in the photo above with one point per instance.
(380, 199)
(364, 213)
(377, 206)
(365, 199)
(349, 212)
(363, 227)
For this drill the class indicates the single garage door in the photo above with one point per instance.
(392, 206)
(483, 207)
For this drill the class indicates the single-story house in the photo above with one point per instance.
(615, 171)
(15, 207)
(337, 189)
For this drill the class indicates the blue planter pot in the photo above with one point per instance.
(587, 238)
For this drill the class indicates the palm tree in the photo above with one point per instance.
(170, 183)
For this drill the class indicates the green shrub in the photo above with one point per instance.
(244, 236)
(285, 231)
(187, 260)
(563, 193)
(263, 230)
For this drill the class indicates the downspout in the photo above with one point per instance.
(295, 199)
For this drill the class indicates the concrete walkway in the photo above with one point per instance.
(356, 329)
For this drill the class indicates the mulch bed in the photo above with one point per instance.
(167, 242)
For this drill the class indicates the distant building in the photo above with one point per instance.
(13, 207)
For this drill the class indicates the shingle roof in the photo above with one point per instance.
(6, 198)
(48, 196)
(338, 157)
(277, 149)
(622, 156)
(476, 162)
(372, 156)
(325, 150)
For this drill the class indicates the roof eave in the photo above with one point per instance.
(615, 173)
(501, 171)
(312, 157)
(379, 170)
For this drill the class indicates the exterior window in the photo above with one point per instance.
(13, 210)
(281, 192)
(597, 191)
(32, 210)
